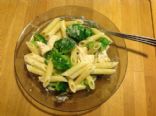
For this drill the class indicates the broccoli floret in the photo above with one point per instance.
(58, 86)
(88, 32)
(39, 37)
(78, 32)
(61, 62)
(65, 45)
(104, 42)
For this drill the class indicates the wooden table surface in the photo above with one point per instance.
(137, 94)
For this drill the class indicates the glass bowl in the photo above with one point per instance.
(80, 102)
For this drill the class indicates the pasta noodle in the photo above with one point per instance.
(74, 56)
(83, 75)
(74, 69)
(46, 77)
(63, 28)
(43, 47)
(72, 85)
(34, 70)
(34, 63)
(50, 26)
(106, 65)
(52, 40)
(32, 48)
(49, 70)
(45, 82)
(77, 73)
(90, 82)
(91, 38)
(59, 34)
(95, 48)
(103, 71)
(96, 31)
(58, 78)
(94, 38)
(41, 78)
(36, 57)
(54, 30)
(80, 87)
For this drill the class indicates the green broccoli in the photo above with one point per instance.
(65, 45)
(104, 42)
(78, 32)
(58, 86)
(61, 62)
(39, 37)
(88, 32)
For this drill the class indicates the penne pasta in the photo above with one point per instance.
(43, 47)
(54, 29)
(34, 63)
(106, 64)
(36, 57)
(63, 28)
(32, 37)
(41, 78)
(94, 38)
(84, 74)
(95, 48)
(91, 38)
(96, 31)
(99, 71)
(72, 85)
(44, 81)
(90, 82)
(50, 26)
(52, 40)
(58, 78)
(80, 87)
(77, 73)
(59, 34)
(32, 48)
(72, 70)
(46, 77)
(74, 56)
(49, 70)
(34, 70)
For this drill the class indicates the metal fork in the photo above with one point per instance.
(143, 39)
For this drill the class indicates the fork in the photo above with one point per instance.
(143, 39)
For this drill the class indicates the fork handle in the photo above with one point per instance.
(143, 39)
